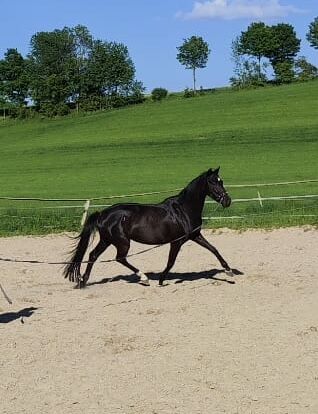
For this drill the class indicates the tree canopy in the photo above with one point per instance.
(312, 35)
(254, 41)
(283, 44)
(13, 78)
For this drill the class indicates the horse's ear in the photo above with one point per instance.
(216, 171)
(210, 172)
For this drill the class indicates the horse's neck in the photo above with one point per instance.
(193, 196)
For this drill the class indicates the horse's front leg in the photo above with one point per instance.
(174, 250)
(204, 243)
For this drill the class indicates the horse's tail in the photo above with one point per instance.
(73, 268)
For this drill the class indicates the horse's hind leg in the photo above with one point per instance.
(93, 256)
(122, 247)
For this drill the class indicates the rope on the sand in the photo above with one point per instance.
(185, 235)
(5, 259)
(5, 295)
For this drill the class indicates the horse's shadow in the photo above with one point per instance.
(174, 276)
(12, 316)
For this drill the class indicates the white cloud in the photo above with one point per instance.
(237, 9)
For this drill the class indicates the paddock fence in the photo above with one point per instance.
(285, 202)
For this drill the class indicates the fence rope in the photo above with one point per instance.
(234, 200)
(256, 215)
(238, 200)
(153, 192)
(271, 184)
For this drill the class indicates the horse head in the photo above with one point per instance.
(215, 188)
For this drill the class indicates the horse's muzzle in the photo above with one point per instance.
(225, 200)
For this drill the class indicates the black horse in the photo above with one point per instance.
(175, 220)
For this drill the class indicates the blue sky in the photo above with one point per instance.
(152, 29)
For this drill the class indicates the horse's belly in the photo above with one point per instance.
(155, 234)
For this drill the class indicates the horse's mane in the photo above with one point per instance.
(183, 193)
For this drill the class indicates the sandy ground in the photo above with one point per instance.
(198, 345)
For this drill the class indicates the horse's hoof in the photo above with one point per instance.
(144, 282)
(80, 285)
(143, 279)
(229, 273)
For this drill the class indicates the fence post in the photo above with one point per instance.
(86, 207)
(259, 198)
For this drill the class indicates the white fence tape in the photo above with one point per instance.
(255, 215)
(235, 200)
(153, 192)
(85, 208)
(271, 184)
(239, 200)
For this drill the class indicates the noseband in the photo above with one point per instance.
(219, 197)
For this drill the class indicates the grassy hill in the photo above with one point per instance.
(260, 135)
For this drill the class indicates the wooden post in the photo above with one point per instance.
(85, 212)
(260, 198)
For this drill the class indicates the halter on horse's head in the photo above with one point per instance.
(215, 188)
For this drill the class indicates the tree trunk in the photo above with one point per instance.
(259, 68)
(194, 90)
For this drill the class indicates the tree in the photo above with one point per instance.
(193, 54)
(247, 73)
(283, 44)
(283, 47)
(14, 82)
(65, 68)
(277, 43)
(110, 68)
(52, 67)
(255, 42)
(110, 78)
(312, 35)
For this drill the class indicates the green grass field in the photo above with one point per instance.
(256, 136)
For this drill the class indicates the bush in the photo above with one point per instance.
(248, 75)
(135, 93)
(284, 72)
(21, 112)
(304, 70)
(158, 94)
(50, 109)
(93, 103)
(188, 93)
(118, 101)
(204, 91)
